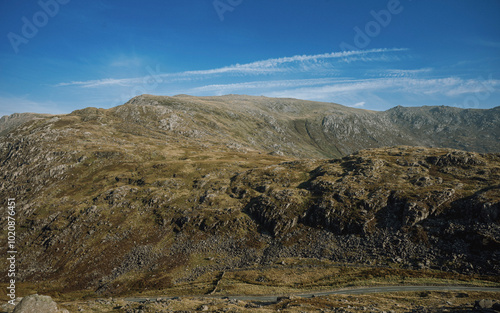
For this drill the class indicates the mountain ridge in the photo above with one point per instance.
(308, 128)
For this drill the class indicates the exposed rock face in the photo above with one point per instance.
(450, 127)
(37, 304)
(128, 198)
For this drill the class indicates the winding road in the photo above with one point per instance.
(347, 291)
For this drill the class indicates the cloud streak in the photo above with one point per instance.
(292, 83)
(450, 87)
(274, 64)
(359, 104)
(102, 82)
(297, 63)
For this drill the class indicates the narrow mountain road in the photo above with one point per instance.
(350, 291)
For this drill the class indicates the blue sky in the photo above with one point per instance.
(60, 55)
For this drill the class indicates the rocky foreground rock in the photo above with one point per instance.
(37, 304)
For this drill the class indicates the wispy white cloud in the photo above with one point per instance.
(401, 72)
(359, 104)
(102, 82)
(292, 83)
(477, 86)
(321, 77)
(450, 87)
(272, 65)
(298, 63)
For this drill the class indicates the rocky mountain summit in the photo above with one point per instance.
(315, 129)
(164, 191)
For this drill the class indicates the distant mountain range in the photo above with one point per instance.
(163, 192)
(300, 128)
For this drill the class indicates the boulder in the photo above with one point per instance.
(483, 304)
(37, 304)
